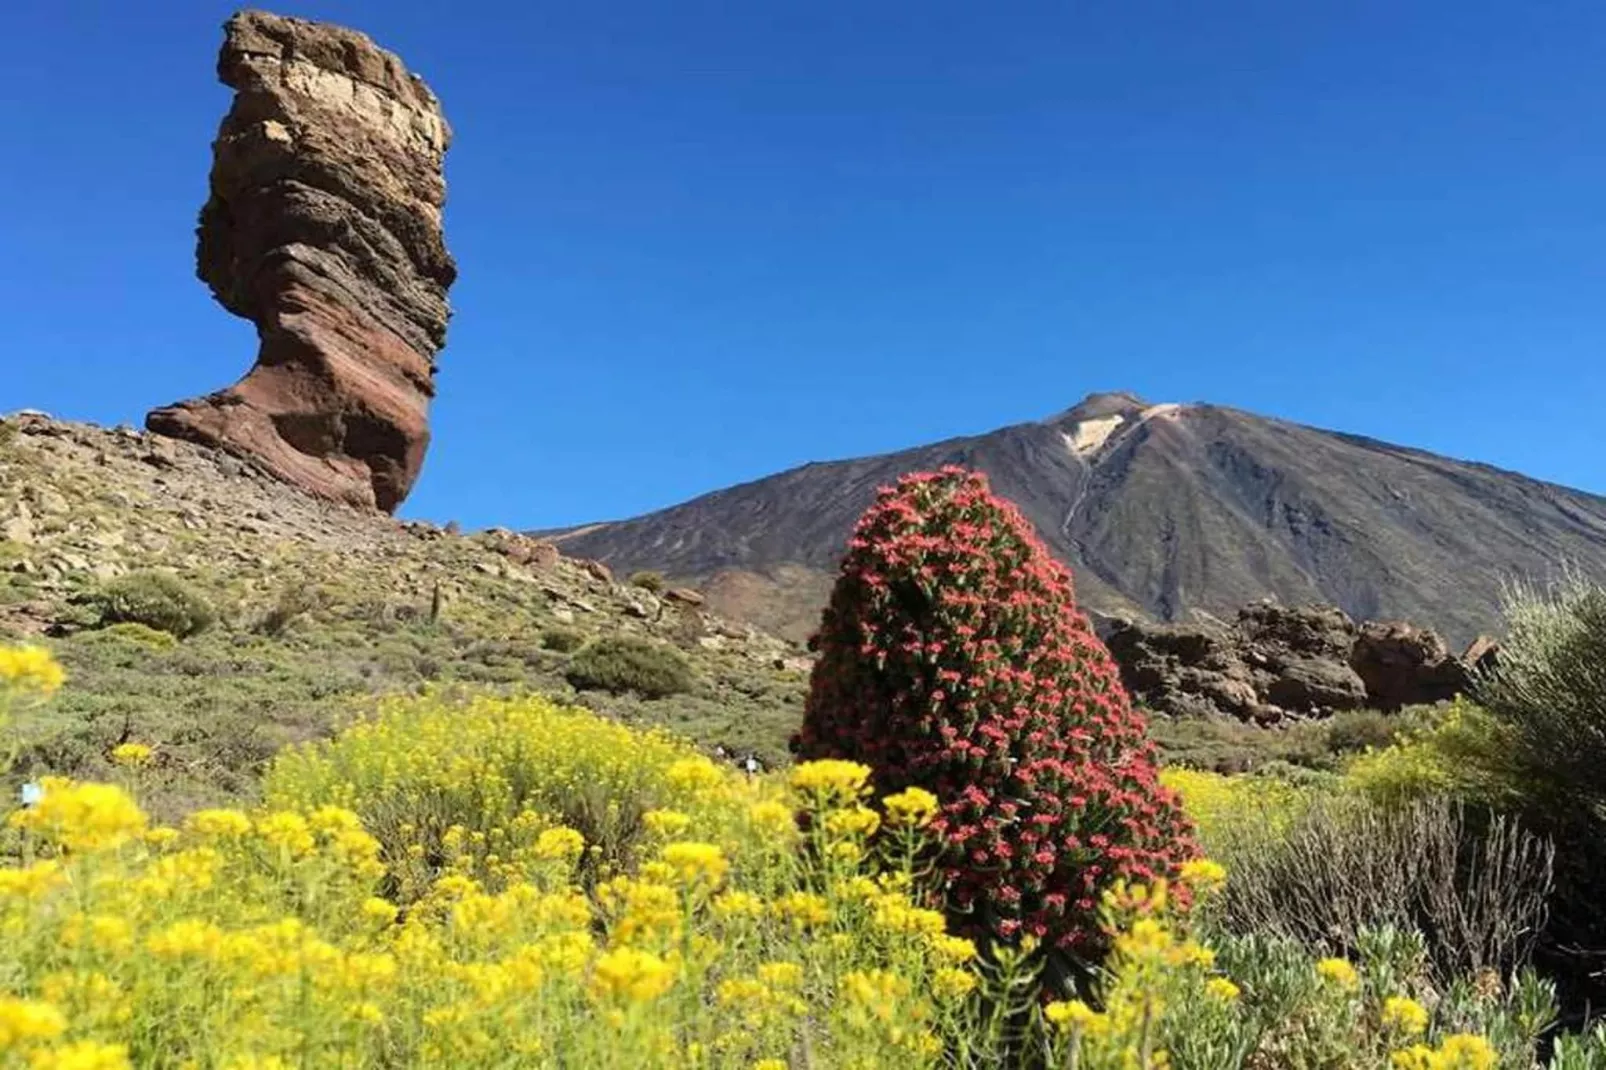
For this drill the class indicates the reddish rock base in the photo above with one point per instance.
(336, 404)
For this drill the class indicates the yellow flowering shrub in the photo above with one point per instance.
(470, 931)
(1461, 751)
(479, 783)
(1222, 807)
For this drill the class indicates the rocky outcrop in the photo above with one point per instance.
(1276, 662)
(1404, 665)
(324, 229)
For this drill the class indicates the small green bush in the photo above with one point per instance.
(1229, 747)
(1360, 730)
(563, 640)
(142, 634)
(8, 433)
(648, 581)
(158, 600)
(1549, 687)
(622, 663)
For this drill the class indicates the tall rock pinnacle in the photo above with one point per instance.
(324, 229)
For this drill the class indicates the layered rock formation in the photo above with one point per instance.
(1275, 663)
(324, 229)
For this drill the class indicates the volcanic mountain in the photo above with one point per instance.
(1164, 511)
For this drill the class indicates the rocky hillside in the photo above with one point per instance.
(1167, 511)
(320, 607)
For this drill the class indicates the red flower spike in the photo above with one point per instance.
(952, 657)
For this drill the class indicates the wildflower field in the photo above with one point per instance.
(977, 864)
(419, 892)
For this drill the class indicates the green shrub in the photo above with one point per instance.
(563, 640)
(1360, 730)
(623, 663)
(1549, 687)
(1475, 886)
(8, 433)
(156, 599)
(142, 634)
(648, 581)
(1543, 750)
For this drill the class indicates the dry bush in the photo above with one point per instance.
(1475, 886)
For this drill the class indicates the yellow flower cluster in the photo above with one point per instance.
(912, 806)
(1460, 1051)
(1405, 1015)
(131, 754)
(1339, 971)
(831, 779)
(82, 817)
(30, 671)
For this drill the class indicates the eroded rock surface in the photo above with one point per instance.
(1276, 662)
(323, 227)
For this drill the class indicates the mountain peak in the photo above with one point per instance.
(1099, 419)
(1101, 405)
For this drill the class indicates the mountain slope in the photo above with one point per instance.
(320, 609)
(1162, 510)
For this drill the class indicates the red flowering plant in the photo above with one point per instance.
(952, 658)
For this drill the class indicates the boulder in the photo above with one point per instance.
(1315, 686)
(597, 570)
(1404, 665)
(323, 227)
(1182, 670)
(1279, 632)
(538, 554)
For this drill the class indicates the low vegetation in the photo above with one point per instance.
(158, 600)
(648, 581)
(621, 664)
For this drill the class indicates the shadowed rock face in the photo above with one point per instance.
(324, 229)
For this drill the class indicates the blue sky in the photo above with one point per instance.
(702, 242)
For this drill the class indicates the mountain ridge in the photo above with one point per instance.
(1161, 510)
